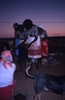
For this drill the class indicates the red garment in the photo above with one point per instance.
(34, 51)
(6, 92)
(44, 47)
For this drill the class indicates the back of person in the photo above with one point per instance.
(44, 41)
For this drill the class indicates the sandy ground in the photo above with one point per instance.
(24, 84)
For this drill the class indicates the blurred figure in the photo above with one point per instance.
(45, 47)
(7, 69)
(23, 52)
(44, 43)
(16, 40)
(33, 42)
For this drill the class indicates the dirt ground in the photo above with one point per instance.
(24, 84)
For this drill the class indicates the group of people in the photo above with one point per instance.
(31, 42)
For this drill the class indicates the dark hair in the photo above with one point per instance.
(20, 28)
(15, 25)
(27, 24)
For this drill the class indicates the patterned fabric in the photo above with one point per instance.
(31, 32)
(44, 47)
(34, 51)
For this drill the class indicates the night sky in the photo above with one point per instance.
(50, 14)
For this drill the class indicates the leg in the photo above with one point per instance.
(38, 97)
(36, 64)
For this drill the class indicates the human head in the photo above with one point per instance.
(20, 28)
(27, 24)
(7, 56)
(15, 25)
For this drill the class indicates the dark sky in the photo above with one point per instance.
(48, 13)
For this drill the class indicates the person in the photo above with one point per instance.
(32, 42)
(16, 41)
(23, 53)
(7, 69)
(44, 44)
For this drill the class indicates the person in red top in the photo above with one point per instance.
(45, 46)
(44, 43)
